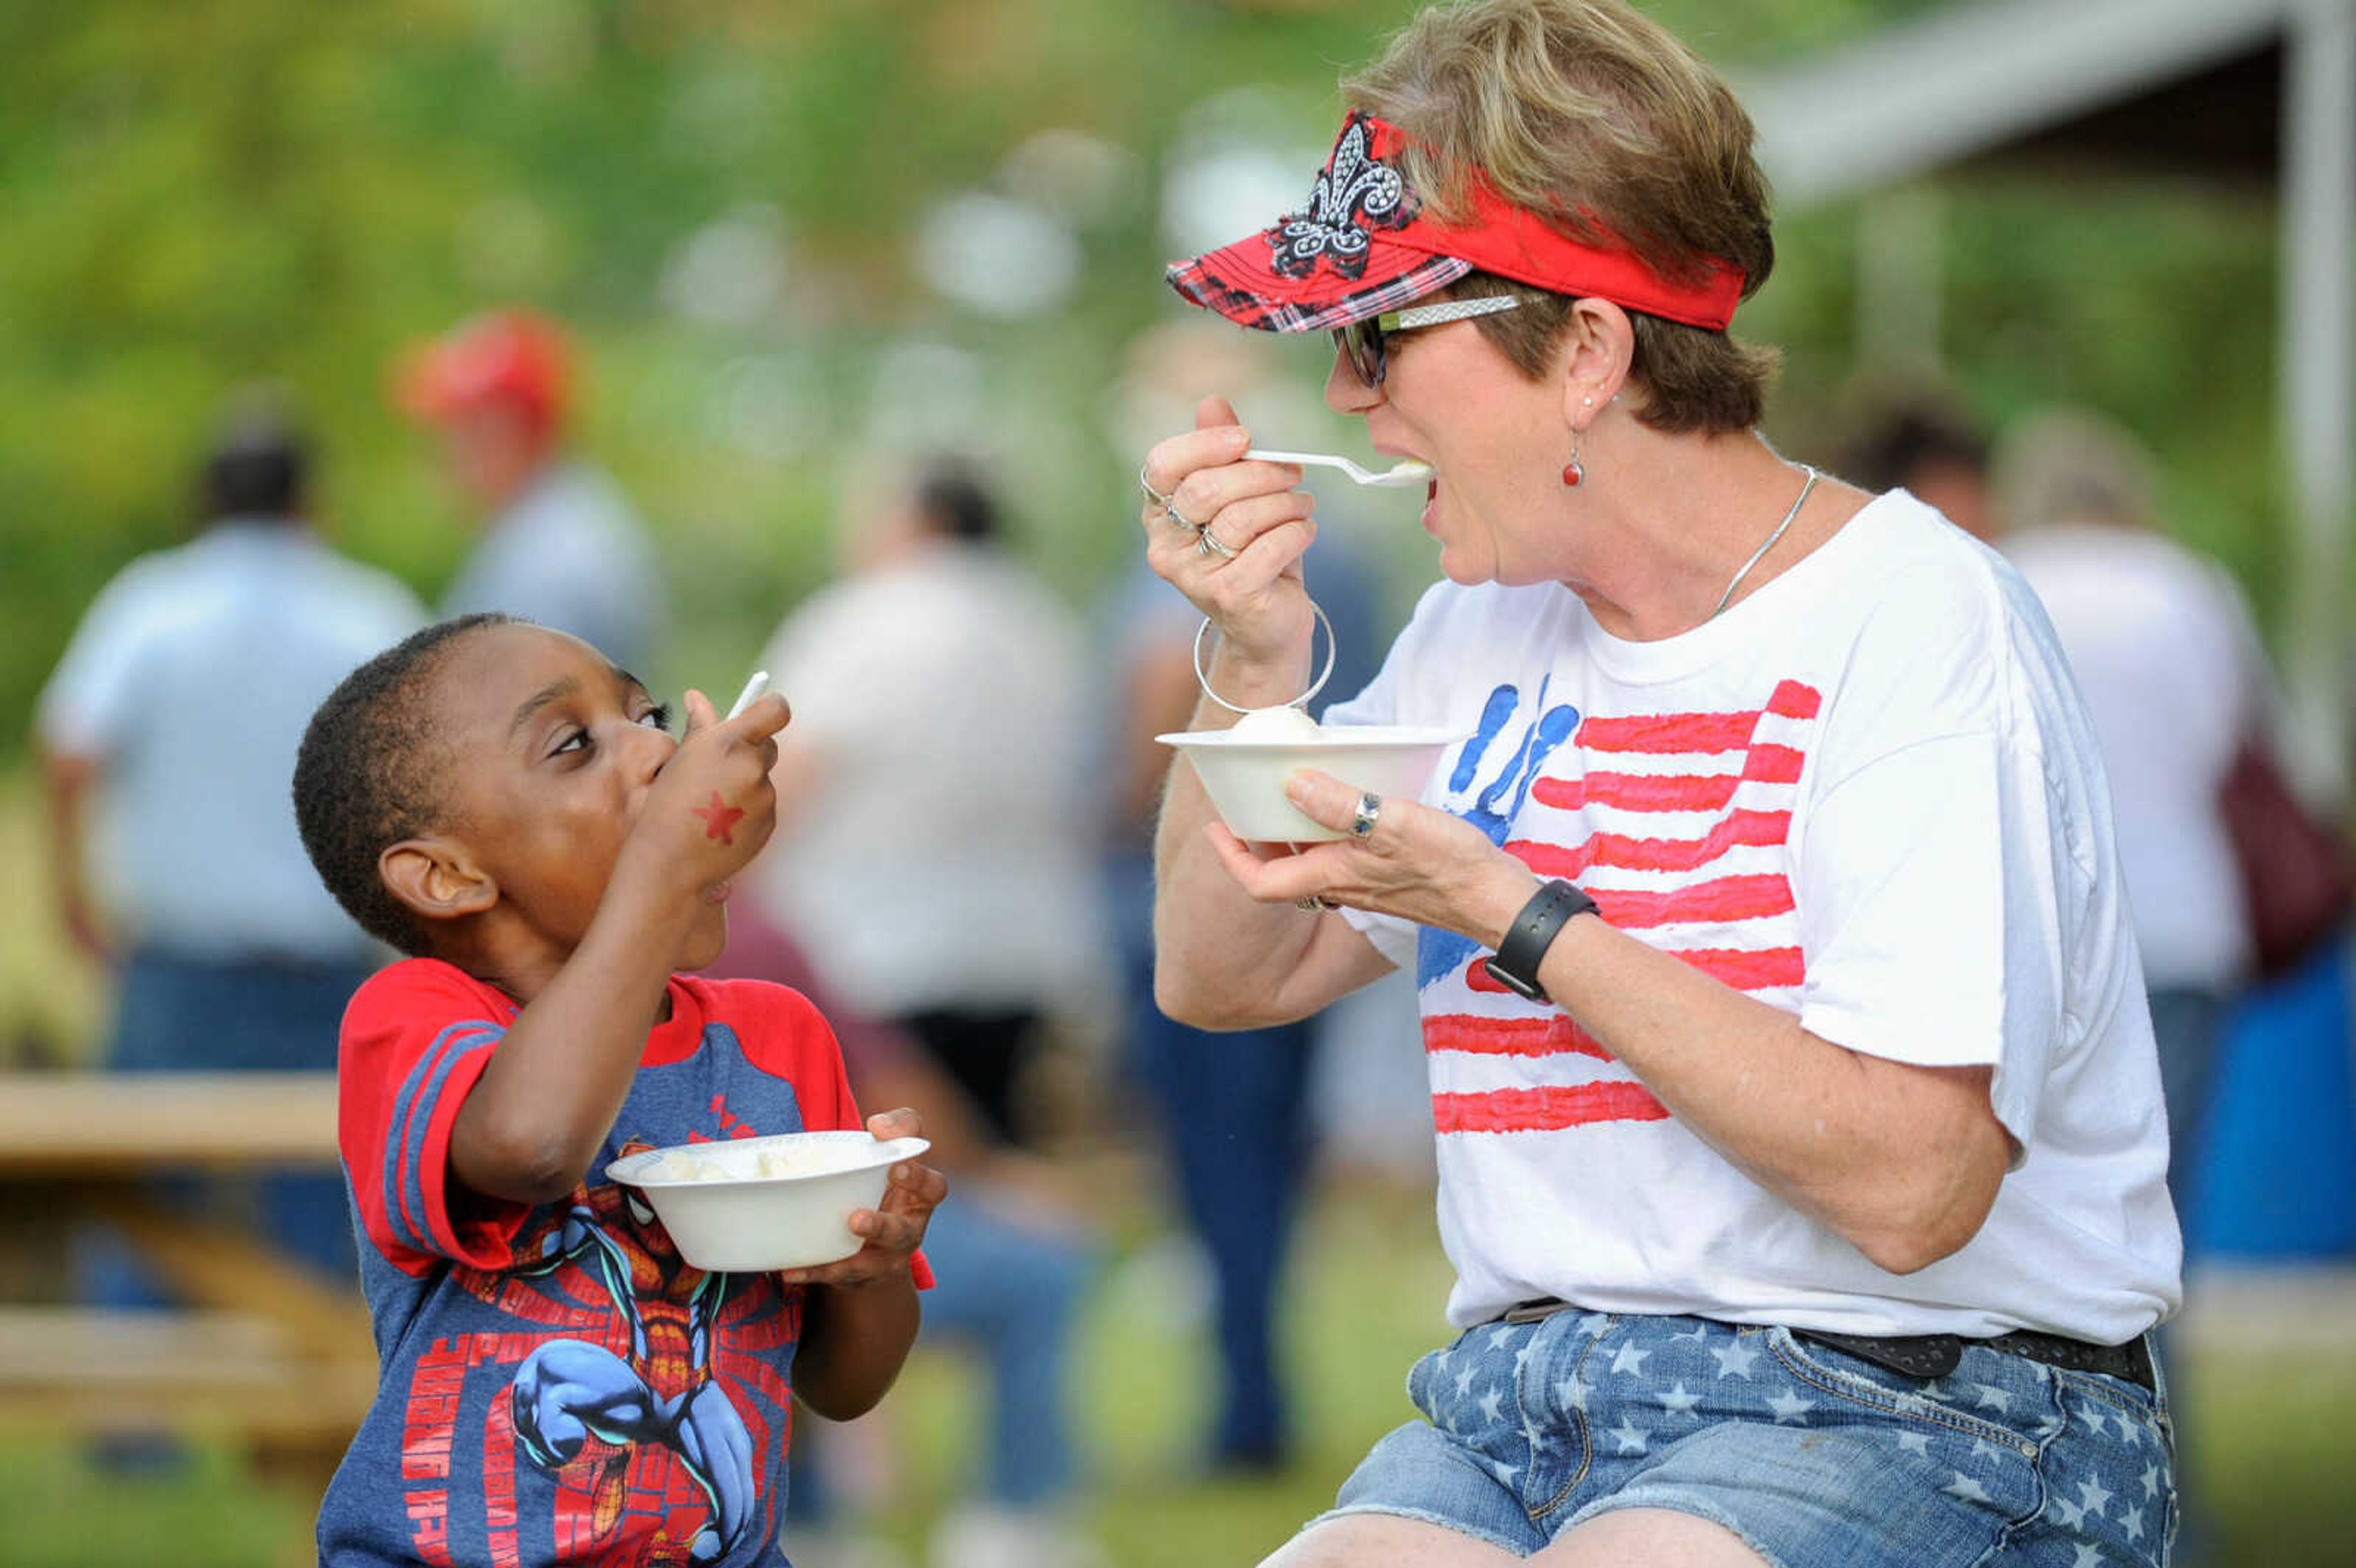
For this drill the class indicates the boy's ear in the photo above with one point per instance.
(435, 879)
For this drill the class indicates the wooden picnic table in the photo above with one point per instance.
(104, 1125)
(264, 1349)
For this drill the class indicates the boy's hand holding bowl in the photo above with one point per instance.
(827, 1208)
(891, 1231)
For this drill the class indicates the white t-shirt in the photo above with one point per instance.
(1868, 795)
(945, 858)
(191, 681)
(2164, 653)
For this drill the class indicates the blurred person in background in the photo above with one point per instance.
(167, 735)
(1801, 1146)
(931, 853)
(1012, 1264)
(1233, 1110)
(2165, 652)
(1925, 445)
(559, 544)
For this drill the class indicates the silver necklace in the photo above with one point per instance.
(1759, 554)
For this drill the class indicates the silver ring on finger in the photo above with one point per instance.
(1156, 497)
(1369, 812)
(1207, 543)
(1179, 519)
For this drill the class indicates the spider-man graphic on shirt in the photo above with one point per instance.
(559, 1385)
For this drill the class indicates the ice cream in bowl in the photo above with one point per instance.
(750, 1205)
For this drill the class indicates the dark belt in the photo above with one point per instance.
(1936, 1355)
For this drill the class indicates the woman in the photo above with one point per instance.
(1800, 1135)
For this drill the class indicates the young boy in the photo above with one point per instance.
(498, 801)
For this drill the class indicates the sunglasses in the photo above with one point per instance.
(1361, 343)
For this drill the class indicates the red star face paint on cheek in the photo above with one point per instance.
(719, 817)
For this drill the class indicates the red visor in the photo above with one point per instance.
(1363, 247)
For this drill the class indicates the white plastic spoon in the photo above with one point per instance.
(1410, 472)
(752, 688)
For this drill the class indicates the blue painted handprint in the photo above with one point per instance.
(1493, 810)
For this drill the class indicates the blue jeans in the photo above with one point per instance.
(2188, 1024)
(175, 1014)
(1233, 1109)
(1012, 1291)
(1816, 1458)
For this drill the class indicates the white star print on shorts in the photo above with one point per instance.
(1815, 1457)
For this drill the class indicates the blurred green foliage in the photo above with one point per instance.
(196, 197)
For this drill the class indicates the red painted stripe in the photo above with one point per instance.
(1638, 791)
(1554, 1036)
(1546, 1109)
(1793, 701)
(1748, 970)
(1628, 852)
(1744, 968)
(1721, 899)
(1695, 732)
(1564, 794)
(1668, 732)
(1765, 763)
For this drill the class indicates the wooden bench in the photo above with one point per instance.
(212, 1373)
(264, 1353)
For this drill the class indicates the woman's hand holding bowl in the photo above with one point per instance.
(1417, 862)
(1229, 534)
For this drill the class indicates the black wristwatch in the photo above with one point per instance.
(1516, 964)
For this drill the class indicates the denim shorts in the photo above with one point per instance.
(1815, 1458)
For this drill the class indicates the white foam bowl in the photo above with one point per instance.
(743, 1222)
(1245, 776)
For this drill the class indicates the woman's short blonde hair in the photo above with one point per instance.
(1593, 116)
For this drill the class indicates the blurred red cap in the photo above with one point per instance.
(502, 356)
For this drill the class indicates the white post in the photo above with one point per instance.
(2319, 376)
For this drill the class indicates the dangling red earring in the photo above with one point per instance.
(1572, 474)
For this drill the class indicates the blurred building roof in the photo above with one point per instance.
(2173, 84)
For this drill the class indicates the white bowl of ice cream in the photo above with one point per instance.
(750, 1205)
(1244, 768)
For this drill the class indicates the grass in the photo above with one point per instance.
(2271, 1431)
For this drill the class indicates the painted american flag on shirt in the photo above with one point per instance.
(1677, 829)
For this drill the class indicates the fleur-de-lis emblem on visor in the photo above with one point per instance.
(1354, 194)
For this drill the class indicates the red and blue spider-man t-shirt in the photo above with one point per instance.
(559, 1386)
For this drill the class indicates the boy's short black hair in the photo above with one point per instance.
(371, 772)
